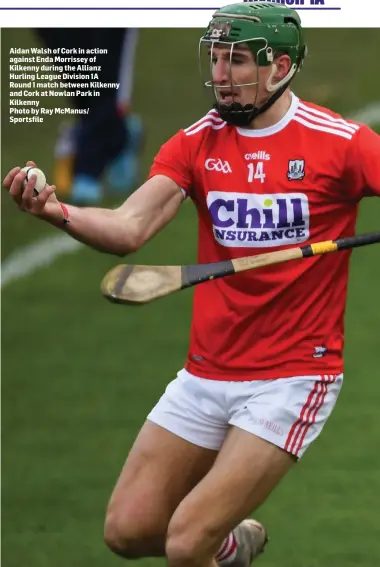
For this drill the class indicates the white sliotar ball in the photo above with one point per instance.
(41, 178)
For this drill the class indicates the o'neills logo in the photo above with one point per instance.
(259, 221)
(257, 155)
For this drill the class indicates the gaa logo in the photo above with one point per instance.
(218, 165)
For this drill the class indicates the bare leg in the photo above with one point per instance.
(159, 472)
(245, 472)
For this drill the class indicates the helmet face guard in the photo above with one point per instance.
(266, 29)
(234, 112)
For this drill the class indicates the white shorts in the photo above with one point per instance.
(289, 412)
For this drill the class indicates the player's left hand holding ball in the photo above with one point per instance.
(31, 193)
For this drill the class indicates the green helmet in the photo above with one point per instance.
(267, 29)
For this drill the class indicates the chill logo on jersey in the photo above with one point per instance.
(247, 220)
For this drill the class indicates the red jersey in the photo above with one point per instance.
(294, 183)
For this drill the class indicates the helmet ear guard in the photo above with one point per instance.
(273, 87)
(296, 66)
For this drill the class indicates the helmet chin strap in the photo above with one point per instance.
(238, 115)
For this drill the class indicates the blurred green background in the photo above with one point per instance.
(80, 374)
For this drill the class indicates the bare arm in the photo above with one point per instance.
(118, 231)
(127, 228)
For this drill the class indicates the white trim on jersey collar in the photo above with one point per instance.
(260, 132)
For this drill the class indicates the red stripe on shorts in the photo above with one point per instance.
(313, 415)
(297, 425)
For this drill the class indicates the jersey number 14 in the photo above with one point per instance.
(256, 172)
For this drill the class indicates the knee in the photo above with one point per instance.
(181, 551)
(120, 538)
(186, 544)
